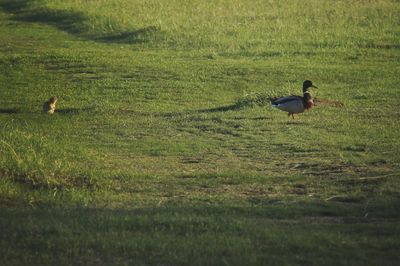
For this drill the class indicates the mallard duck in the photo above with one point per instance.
(50, 106)
(295, 104)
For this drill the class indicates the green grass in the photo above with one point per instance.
(165, 150)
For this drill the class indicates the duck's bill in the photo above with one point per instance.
(314, 86)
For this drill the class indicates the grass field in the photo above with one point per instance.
(165, 150)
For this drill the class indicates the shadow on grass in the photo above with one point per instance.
(12, 6)
(9, 111)
(31, 11)
(64, 111)
(226, 108)
(134, 36)
(73, 22)
(254, 118)
(177, 235)
(251, 100)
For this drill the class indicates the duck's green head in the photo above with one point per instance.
(308, 84)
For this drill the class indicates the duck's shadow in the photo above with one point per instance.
(232, 107)
(296, 123)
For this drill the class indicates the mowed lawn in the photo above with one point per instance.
(165, 150)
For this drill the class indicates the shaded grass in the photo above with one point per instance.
(233, 235)
(73, 22)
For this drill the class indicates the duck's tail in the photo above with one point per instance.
(273, 101)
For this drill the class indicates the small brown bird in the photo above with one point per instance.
(50, 106)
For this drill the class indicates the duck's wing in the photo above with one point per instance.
(285, 100)
(291, 104)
